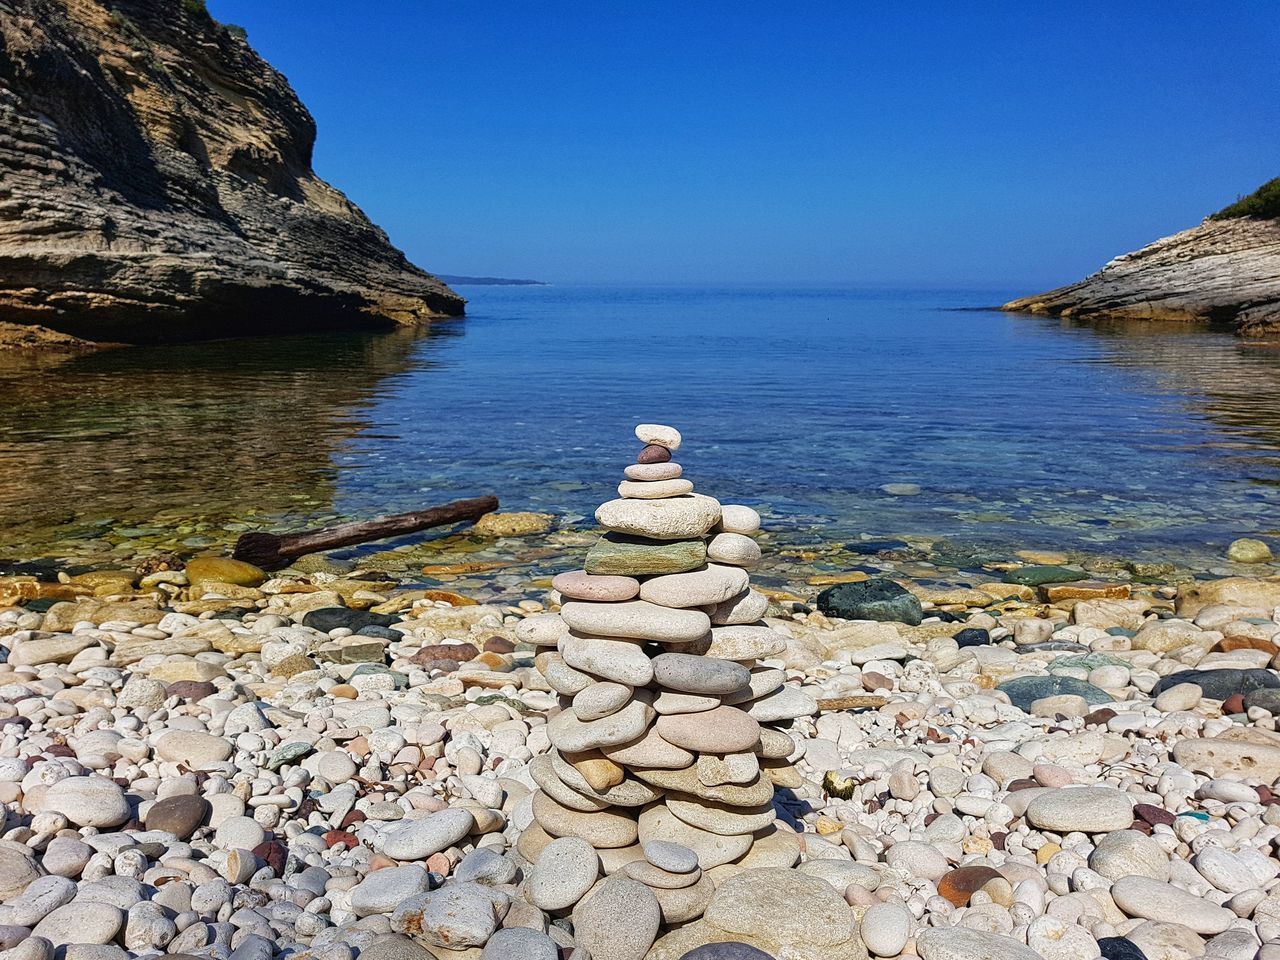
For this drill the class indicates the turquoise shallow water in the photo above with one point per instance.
(1140, 440)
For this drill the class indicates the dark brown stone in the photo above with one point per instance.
(1023, 783)
(1152, 815)
(499, 645)
(1233, 704)
(873, 681)
(437, 653)
(1099, 717)
(273, 854)
(190, 689)
(336, 838)
(963, 882)
(653, 454)
(181, 815)
(997, 840)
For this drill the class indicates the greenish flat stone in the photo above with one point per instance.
(1038, 575)
(288, 753)
(874, 599)
(1024, 691)
(623, 555)
(1087, 661)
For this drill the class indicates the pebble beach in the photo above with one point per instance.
(704, 741)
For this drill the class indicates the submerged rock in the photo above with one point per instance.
(876, 599)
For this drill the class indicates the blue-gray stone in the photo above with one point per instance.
(1038, 575)
(288, 753)
(1024, 691)
(1222, 683)
(1118, 948)
(875, 599)
(1087, 661)
(1268, 698)
(972, 637)
(726, 951)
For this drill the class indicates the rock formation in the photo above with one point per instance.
(1225, 271)
(664, 757)
(156, 184)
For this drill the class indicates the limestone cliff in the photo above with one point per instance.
(156, 184)
(1225, 271)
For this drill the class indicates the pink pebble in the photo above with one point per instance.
(653, 471)
(580, 585)
(1050, 775)
(438, 863)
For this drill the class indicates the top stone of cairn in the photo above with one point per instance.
(658, 435)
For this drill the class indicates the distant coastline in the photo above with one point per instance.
(489, 281)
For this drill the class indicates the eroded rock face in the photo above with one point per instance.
(1223, 271)
(156, 184)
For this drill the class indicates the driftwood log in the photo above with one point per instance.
(272, 551)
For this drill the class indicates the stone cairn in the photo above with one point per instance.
(662, 763)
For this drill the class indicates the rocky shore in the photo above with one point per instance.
(1225, 271)
(1029, 760)
(156, 181)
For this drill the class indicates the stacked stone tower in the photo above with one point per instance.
(662, 754)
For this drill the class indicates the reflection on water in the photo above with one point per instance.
(1133, 439)
(191, 437)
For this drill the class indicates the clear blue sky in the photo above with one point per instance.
(1020, 144)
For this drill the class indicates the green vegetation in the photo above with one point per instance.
(196, 8)
(1263, 203)
(237, 31)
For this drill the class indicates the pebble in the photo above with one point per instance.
(518, 943)
(654, 489)
(619, 921)
(636, 619)
(653, 453)
(180, 815)
(708, 585)
(567, 868)
(1153, 900)
(658, 434)
(721, 730)
(456, 916)
(696, 674)
(671, 857)
(580, 585)
(959, 943)
(86, 922)
(419, 839)
(649, 472)
(885, 929)
(736, 518)
(88, 801)
(1087, 809)
(673, 518)
(384, 890)
(734, 548)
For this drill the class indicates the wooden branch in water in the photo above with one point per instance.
(273, 551)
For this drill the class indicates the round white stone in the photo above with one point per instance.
(566, 869)
(658, 434)
(654, 489)
(886, 928)
(672, 518)
(419, 839)
(735, 518)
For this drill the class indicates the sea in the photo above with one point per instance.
(840, 413)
